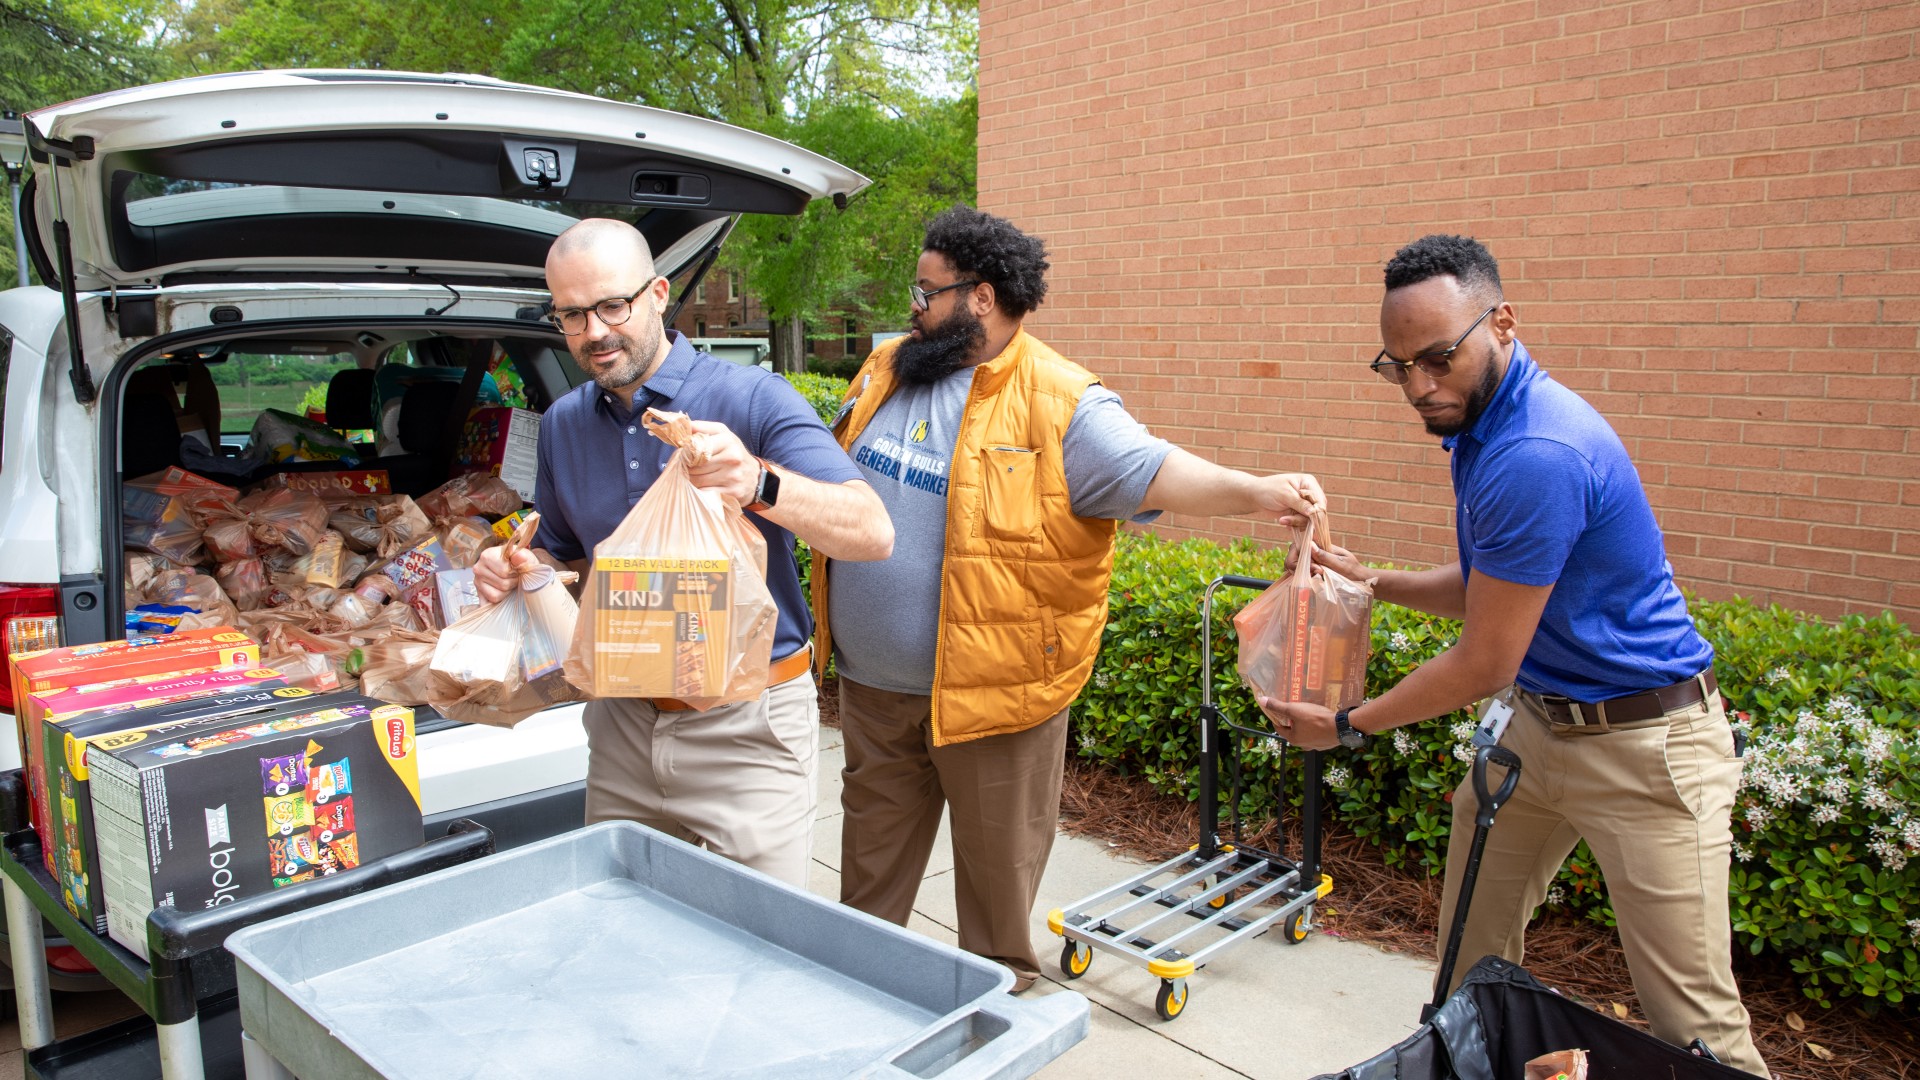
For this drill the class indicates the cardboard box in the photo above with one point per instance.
(458, 595)
(69, 841)
(340, 482)
(260, 800)
(505, 526)
(502, 442)
(106, 662)
(660, 627)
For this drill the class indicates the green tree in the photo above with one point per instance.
(57, 50)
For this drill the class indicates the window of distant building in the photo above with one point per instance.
(699, 328)
(700, 292)
(733, 289)
(853, 338)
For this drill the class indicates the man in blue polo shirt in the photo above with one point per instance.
(738, 778)
(1574, 627)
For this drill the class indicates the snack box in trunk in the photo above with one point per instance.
(236, 806)
(110, 662)
(68, 839)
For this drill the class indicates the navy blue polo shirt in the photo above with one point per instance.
(1546, 495)
(596, 460)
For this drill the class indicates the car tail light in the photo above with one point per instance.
(29, 619)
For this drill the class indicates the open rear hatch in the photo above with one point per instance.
(360, 176)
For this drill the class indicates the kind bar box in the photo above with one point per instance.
(246, 803)
(103, 665)
(660, 627)
(72, 849)
(502, 442)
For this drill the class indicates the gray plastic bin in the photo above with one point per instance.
(615, 951)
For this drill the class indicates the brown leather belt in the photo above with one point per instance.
(791, 666)
(1633, 710)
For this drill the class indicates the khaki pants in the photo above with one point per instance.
(1003, 793)
(1654, 805)
(740, 779)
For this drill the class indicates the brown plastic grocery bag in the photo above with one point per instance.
(676, 604)
(398, 667)
(501, 663)
(1307, 638)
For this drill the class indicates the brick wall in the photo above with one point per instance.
(1707, 215)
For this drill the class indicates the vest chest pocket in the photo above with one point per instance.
(1009, 488)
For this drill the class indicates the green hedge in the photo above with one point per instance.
(1827, 829)
(823, 392)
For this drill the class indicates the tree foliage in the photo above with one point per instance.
(883, 86)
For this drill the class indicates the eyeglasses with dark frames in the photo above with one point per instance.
(923, 298)
(613, 311)
(1435, 364)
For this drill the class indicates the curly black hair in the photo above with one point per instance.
(1460, 257)
(995, 251)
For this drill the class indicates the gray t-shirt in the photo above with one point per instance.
(886, 614)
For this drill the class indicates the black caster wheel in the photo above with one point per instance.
(1294, 929)
(1172, 999)
(1075, 958)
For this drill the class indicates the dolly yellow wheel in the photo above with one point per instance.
(1294, 930)
(1075, 959)
(1172, 999)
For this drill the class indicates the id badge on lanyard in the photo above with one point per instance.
(1493, 720)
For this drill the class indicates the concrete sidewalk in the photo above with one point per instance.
(1263, 1009)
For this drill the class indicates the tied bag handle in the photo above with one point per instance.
(540, 576)
(1319, 534)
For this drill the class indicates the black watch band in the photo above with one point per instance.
(1350, 737)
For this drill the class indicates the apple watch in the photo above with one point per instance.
(1350, 737)
(766, 491)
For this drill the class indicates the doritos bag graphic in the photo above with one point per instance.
(1307, 638)
(676, 605)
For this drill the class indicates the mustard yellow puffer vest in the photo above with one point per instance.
(1024, 595)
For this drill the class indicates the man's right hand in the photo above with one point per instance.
(493, 579)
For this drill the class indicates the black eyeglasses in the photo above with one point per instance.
(613, 311)
(923, 298)
(1435, 364)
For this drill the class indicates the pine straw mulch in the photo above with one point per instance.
(1399, 911)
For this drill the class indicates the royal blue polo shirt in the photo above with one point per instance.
(596, 460)
(1545, 495)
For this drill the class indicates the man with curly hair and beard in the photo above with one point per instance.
(1006, 469)
(1572, 621)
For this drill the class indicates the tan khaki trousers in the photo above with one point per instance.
(1654, 805)
(1003, 793)
(739, 779)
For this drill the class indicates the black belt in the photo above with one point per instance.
(1633, 709)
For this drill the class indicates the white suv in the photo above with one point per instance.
(325, 222)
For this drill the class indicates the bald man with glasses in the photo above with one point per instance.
(739, 779)
(1579, 641)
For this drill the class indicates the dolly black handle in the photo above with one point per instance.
(1490, 804)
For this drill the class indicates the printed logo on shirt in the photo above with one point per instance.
(892, 459)
(918, 432)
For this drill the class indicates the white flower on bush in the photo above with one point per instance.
(1399, 642)
(1913, 930)
(1744, 854)
(1338, 777)
(1101, 679)
(1462, 730)
(1463, 751)
(1556, 896)
(1777, 676)
(1270, 747)
(1831, 764)
(1403, 743)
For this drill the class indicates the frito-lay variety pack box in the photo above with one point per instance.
(99, 666)
(261, 799)
(68, 842)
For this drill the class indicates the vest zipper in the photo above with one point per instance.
(946, 547)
